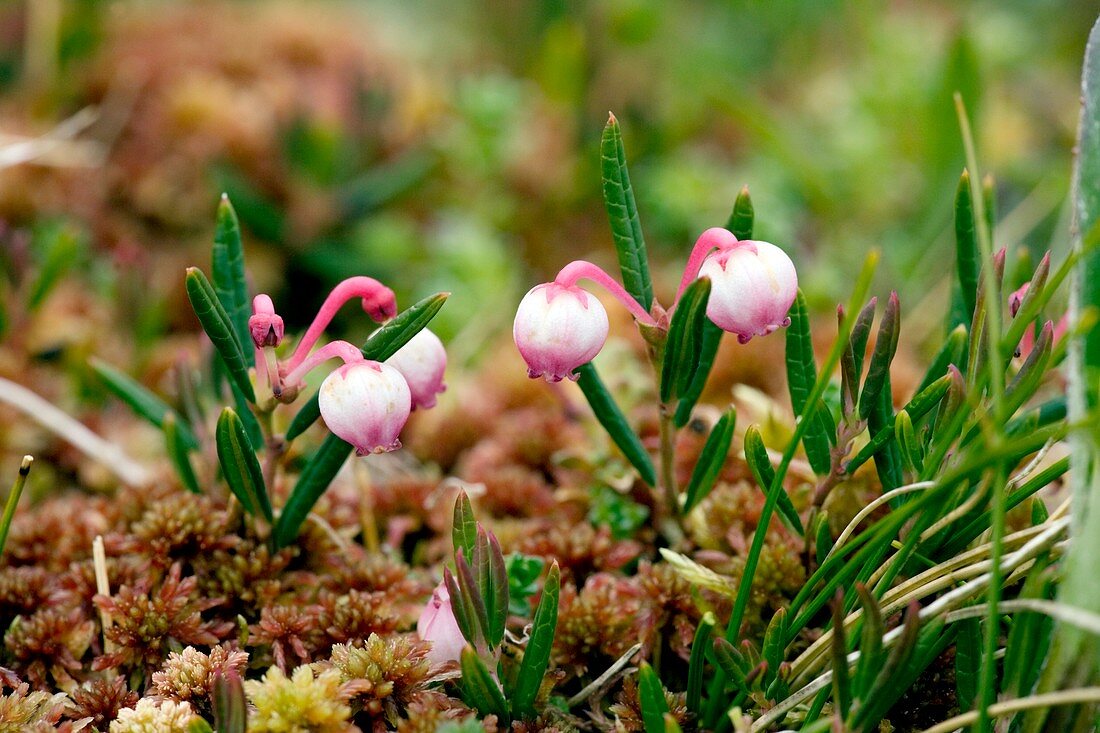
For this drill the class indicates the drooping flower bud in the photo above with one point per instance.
(437, 624)
(265, 325)
(422, 362)
(366, 404)
(557, 329)
(753, 285)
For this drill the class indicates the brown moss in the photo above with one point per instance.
(100, 699)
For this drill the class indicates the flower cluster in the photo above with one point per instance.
(364, 402)
(559, 326)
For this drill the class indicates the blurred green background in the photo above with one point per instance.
(454, 145)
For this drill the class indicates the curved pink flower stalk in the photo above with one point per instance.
(710, 240)
(584, 270)
(378, 302)
(336, 349)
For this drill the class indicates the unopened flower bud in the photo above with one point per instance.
(753, 285)
(437, 624)
(422, 362)
(366, 404)
(265, 325)
(557, 329)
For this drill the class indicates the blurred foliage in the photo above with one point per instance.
(442, 145)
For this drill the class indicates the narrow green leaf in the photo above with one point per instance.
(731, 661)
(62, 247)
(239, 464)
(1039, 512)
(757, 457)
(229, 703)
(886, 345)
(227, 273)
(614, 422)
(861, 332)
(651, 697)
(177, 451)
(772, 649)
(711, 460)
(219, 328)
(740, 221)
(463, 526)
(967, 259)
(685, 335)
(953, 351)
(480, 690)
(871, 652)
(143, 402)
(823, 537)
(381, 345)
(1029, 636)
(671, 726)
(968, 659)
(536, 656)
(312, 482)
(626, 228)
(801, 375)
(463, 607)
(909, 447)
(471, 592)
(918, 407)
(709, 342)
(498, 583)
(697, 662)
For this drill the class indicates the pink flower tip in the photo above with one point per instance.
(753, 285)
(557, 329)
(437, 624)
(380, 304)
(422, 362)
(366, 404)
(265, 325)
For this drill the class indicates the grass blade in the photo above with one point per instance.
(651, 697)
(697, 662)
(143, 402)
(177, 451)
(967, 259)
(13, 499)
(626, 228)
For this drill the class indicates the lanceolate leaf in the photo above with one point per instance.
(626, 228)
(711, 460)
(886, 345)
(464, 525)
(227, 271)
(536, 656)
(614, 422)
(708, 348)
(239, 464)
(141, 401)
(230, 705)
(685, 335)
(651, 696)
(741, 218)
(967, 260)
(479, 688)
(757, 457)
(801, 375)
(498, 583)
(697, 662)
(215, 321)
(381, 345)
(917, 408)
(312, 482)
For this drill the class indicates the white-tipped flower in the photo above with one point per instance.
(753, 285)
(557, 329)
(422, 362)
(366, 404)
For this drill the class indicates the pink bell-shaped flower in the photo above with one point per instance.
(437, 624)
(366, 404)
(753, 285)
(557, 329)
(422, 362)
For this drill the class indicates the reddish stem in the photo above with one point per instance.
(710, 240)
(339, 349)
(378, 302)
